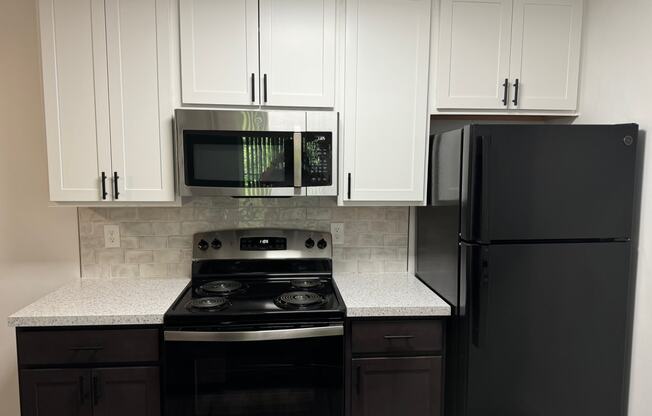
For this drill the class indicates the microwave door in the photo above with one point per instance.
(239, 163)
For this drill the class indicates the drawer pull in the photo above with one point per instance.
(392, 337)
(86, 348)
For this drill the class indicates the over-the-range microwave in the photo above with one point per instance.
(256, 153)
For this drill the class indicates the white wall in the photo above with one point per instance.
(38, 244)
(616, 86)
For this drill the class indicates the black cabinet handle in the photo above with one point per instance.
(516, 84)
(349, 187)
(94, 348)
(82, 393)
(391, 337)
(505, 91)
(253, 88)
(104, 193)
(116, 194)
(97, 391)
(264, 87)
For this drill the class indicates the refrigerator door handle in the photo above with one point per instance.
(479, 298)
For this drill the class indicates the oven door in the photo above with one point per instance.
(282, 372)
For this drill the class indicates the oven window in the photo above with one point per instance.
(271, 378)
(238, 159)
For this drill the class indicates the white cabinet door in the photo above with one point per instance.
(386, 99)
(138, 49)
(297, 52)
(219, 51)
(546, 38)
(474, 51)
(75, 97)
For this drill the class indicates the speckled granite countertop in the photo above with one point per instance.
(103, 302)
(388, 294)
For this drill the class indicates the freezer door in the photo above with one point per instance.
(548, 182)
(549, 329)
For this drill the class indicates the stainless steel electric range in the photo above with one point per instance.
(259, 330)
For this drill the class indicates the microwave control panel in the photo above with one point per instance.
(317, 159)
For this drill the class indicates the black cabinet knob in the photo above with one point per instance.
(322, 244)
(310, 243)
(202, 245)
(216, 244)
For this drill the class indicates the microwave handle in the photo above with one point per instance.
(298, 158)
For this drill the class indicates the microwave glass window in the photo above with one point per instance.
(239, 159)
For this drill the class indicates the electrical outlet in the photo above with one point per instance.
(111, 236)
(337, 231)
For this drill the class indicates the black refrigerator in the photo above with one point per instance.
(528, 236)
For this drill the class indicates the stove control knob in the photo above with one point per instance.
(322, 244)
(202, 245)
(216, 244)
(310, 243)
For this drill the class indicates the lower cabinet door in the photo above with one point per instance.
(65, 392)
(125, 391)
(397, 386)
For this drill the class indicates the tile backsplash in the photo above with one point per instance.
(157, 242)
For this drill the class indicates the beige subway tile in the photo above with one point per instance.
(342, 266)
(209, 214)
(152, 213)
(328, 201)
(86, 228)
(395, 266)
(125, 270)
(91, 241)
(153, 270)
(389, 253)
(370, 213)
(369, 266)
(129, 229)
(93, 214)
(306, 201)
(179, 270)
(193, 227)
(293, 214)
(397, 214)
(224, 202)
(123, 214)
(344, 213)
(152, 242)
(110, 256)
(356, 253)
(139, 256)
(319, 213)
(180, 242)
(166, 228)
(129, 242)
(396, 239)
(167, 256)
(87, 255)
(370, 240)
(96, 270)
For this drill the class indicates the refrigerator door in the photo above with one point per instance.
(547, 182)
(548, 329)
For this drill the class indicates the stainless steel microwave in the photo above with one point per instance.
(256, 153)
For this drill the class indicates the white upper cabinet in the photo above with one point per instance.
(138, 39)
(474, 43)
(250, 52)
(546, 37)
(504, 55)
(297, 52)
(219, 51)
(386, 100)
(106, 76)
(75, 97)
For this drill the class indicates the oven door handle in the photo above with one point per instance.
(297, 142)
(248, 336)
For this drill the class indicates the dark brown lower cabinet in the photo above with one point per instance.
(128, 391)
(56, 392)
(133, 391)
(405, 386)
(89, 371)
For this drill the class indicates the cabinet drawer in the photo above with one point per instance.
(87, 346)
(396, 336)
